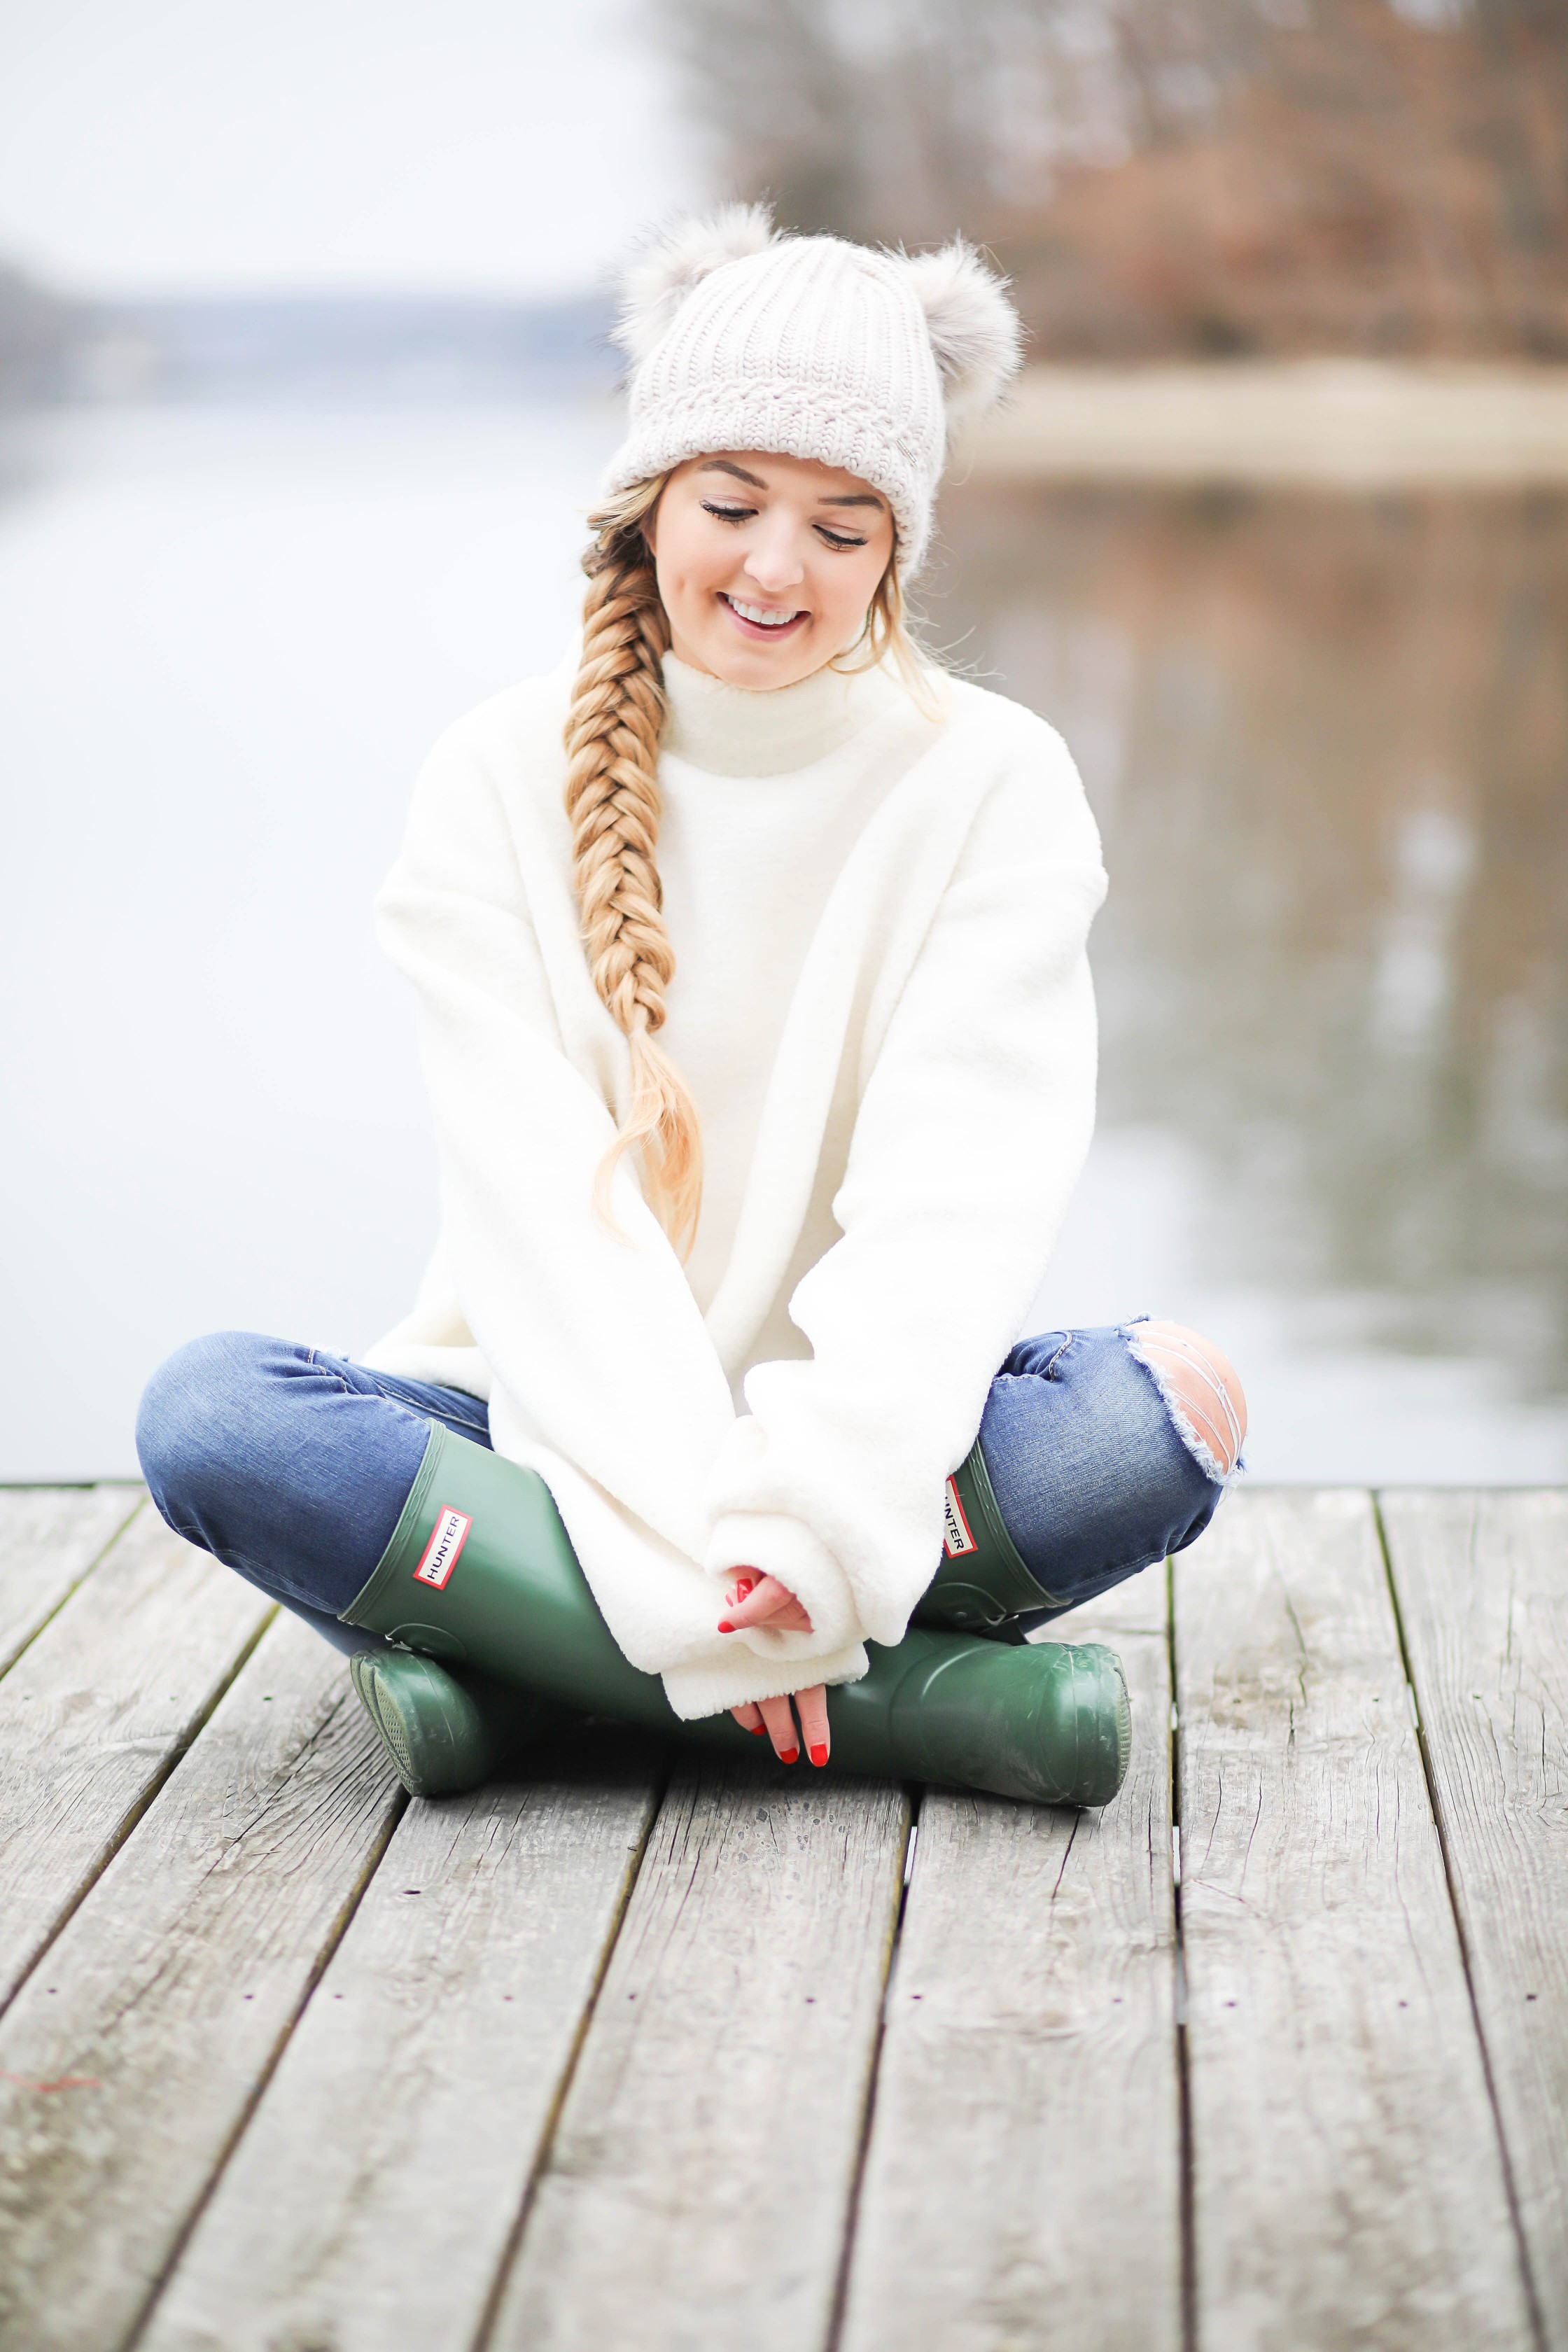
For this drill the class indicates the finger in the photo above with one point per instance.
(755, 1602)
(749, 1718)
(811, 1706)
(746, 1581)
(768, 1603)
(781, 1729)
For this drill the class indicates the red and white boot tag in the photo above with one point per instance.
(447, 1538)
(956, 1536)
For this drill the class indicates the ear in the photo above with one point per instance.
(976, 332)
(657, 282)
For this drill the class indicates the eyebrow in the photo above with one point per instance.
(849, 499)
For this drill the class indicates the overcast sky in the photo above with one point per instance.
(498, 146)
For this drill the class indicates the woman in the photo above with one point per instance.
(757, 1022)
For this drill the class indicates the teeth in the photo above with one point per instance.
(763, 618)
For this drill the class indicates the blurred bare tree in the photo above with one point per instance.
(1176, 175)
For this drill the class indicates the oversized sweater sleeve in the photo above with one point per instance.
(971, 1132)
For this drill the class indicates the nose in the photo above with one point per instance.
(774, 560)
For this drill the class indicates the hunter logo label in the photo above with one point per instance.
(447, 1538)
(956, 1538)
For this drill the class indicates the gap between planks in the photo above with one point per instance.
(96, 1713)
(441, 2035)
(711, 2132)
(1026, 2100)
(1479, 1586)
(133, 2060)
(50, 1540)
(1348, 2182)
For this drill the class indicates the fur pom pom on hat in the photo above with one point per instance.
(742, 339)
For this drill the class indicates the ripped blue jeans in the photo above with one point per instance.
(292, 1466)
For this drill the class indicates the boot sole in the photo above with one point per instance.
(1123, 1725)
(380, 1702)
(367, 1683)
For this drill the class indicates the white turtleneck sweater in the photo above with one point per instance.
(765, 796)
(882, 1006)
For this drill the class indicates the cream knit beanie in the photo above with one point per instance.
(742, 339)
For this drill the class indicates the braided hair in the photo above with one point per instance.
(612, 730)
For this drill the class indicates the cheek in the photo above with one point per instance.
(846, 585)
(687, 577)
(687, 559)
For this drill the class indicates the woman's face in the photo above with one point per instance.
(766, 565)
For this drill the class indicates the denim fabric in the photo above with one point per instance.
(289, 1466)
(292, 1466)
(1092, 1478)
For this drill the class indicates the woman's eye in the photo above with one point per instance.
(833, 539)
(729, 514)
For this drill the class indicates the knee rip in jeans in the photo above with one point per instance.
(1201, 1392)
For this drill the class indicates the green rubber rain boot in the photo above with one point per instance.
(446, 1732)
(479, 1574)
(983, 1582)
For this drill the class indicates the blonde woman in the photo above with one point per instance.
(757, 1024)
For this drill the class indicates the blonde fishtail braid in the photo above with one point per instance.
(613, 731)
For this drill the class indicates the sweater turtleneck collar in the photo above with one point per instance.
(731, 731)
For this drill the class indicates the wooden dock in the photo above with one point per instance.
(639, 2052)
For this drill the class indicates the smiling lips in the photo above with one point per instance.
(762, 620)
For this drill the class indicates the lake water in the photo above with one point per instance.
(1325, 739)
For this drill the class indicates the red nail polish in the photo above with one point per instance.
(725, 1626)
(757, 1730)
(819, 1754)
(789, 1755)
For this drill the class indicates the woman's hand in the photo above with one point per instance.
(764, 1601)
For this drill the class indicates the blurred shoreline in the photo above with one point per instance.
(284, 348)
(1334, 422)
(1335, 425)
(1330, 424)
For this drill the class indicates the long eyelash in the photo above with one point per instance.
(744, 514)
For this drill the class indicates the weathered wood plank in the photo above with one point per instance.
(1022, 2182)
(50, 1537)
(699, 2185)
(1135, 1606)
(1348, 2177)
(94, 1712)
(128, 2062)
(1482, 1582)
(373, 2197)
